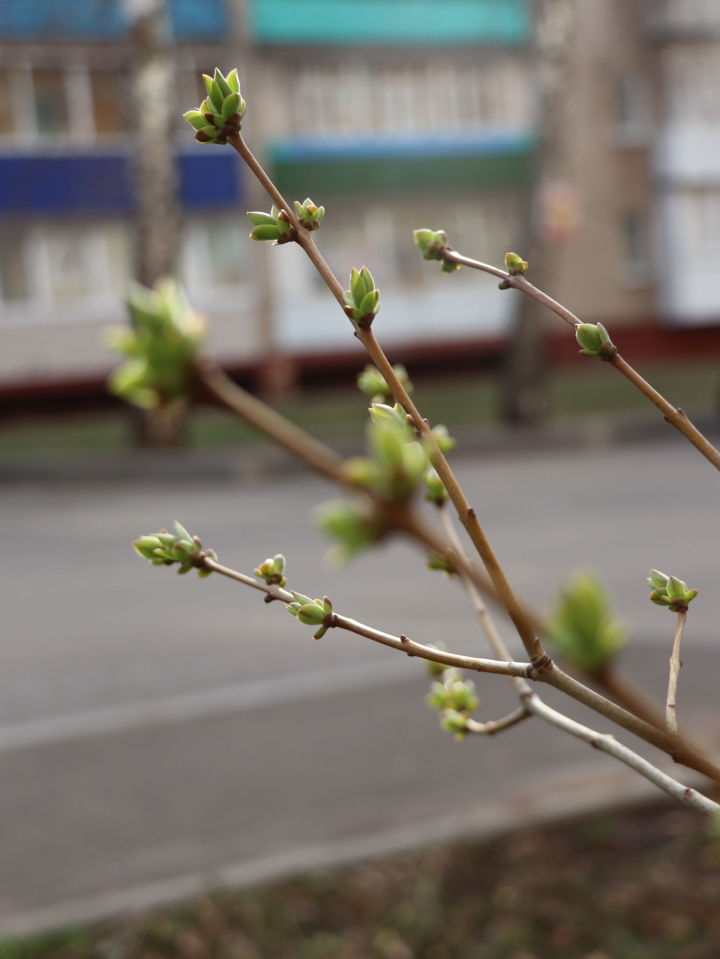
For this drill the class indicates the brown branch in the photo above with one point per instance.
(674, 415)
(216, 385)
(531, 702)
(401, 643)
(542, 667)
(466, 514)
(494, 726)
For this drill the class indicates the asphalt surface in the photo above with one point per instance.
(159, 734)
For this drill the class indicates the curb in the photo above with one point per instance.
(261, 459)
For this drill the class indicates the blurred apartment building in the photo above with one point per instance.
(394, 114)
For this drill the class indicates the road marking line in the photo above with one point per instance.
(216, 701)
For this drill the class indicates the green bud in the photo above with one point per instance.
(165, 548)
(312, 614)
(271, 570)
(454, 722)
(431, 243)
(164, 338)
(660, 597)
(438, 562)
(308, 213)
(449, 267)
(181, 531)
(221, 111)
(670, 591)
(657, 579)
(221, 83)
(258, 218)
(367, 279)
(435, 669)
(353, 525)
(146, 546)
(381, 411)
(372, 382)
(386, 439)
(369, 304)
(595, 340)
(196, 119)
(515, 264)
(436, 492)
(443, 439)
(266, 231)
(362, 471)
(231, 105)
(582, 626)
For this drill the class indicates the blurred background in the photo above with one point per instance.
(584, 134)
(158, 735)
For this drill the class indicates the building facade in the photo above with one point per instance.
(394, 114)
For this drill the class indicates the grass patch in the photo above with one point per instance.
(457, 402)
(643, 884)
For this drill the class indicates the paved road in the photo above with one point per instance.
(158, 733)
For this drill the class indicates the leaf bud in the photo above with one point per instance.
(435, 488)
(670, 591)
(439, 562)
(454, 722)
(515, 264)
(218, 116)
(271, 570)
(431, 243)
(595, 340)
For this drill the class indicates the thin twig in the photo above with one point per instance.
(542, 667)
(401, 643)
(466, 514)
(497, 725)
(674, 415)
(675, 666)
(495, 640)
(608, 744)
(532, 704)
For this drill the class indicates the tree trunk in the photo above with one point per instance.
(524, 398)
(157, 217)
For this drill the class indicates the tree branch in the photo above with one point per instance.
(674, 415)
(531, 703)
(466, 514)
(608, 744)
(401, 643)
(494, 726)
(675, 665)
(216, 385)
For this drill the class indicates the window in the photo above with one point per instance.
(215, 253)
(73, 264)
(51, 110)
(635, 248)
(14, 284)
(7, 123)
(630, 109)
(109, 96)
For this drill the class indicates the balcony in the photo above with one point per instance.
(682, 20)
(105, 20)
(391, 165)
(687, 153)
(400, 23)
